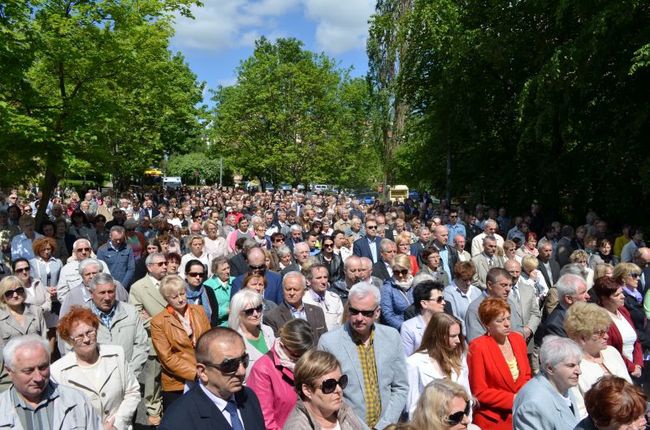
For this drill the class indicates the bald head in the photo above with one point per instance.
(441, 234)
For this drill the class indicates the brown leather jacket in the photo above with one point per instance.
(175, 348)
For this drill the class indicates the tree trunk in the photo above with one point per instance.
(50, 181)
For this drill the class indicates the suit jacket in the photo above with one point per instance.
(539, 406)
(555, 271)
(361, 248)
(273, 290)
(293, 267)
(473, 326)
(391, 370)
(554, 324)
(280, 315)
(334, 267)
(526, 308)
(380, 271)
(194, 410)
(145, 297)
(482, 268)
(150, 213)
(564, 250)
(491, 380)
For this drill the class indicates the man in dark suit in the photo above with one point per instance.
(257, 264)
(382, 269)
(548, 267)
(424, 236)
(219, 399)
(148, 210)
(368, 246)
(294, 284)
(238, 263)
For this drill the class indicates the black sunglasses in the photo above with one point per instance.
(329, 385)
(260, 267)
(401, 272)
(438, 299)
(367, 314)
(371, 227)
(230, 366)
(10, 293)
(635, 275)
(24, 269)
(457, 417)
(249, 312)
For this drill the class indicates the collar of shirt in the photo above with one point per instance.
(356, 338)
(154, 281)
(297, 313)
(218, 401)
(467, 294)
(50, 393)
(317, 297)
(85, 293)
(104, 317)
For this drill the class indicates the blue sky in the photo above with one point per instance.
(224, 31)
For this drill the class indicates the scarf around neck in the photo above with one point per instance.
(202, 295)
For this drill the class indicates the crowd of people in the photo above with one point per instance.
(221, 308)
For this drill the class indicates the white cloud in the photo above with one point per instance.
(221, 25)
(341, 28)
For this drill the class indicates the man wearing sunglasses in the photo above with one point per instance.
(368, 246)
(70, 277)
(220, 400)
(370, 355)
(257, 264)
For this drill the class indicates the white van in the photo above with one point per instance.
(319, 188)
(172, 182)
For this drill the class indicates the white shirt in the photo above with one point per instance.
(627, 334)
(331, 305)
(220, 404)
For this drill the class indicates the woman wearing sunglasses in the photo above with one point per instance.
(396, 293)
(101, 372)
(272, 377)
(17, 318)
(443, 405)
(442, 355)
(320, 386)
(174, 332)
(246, 309)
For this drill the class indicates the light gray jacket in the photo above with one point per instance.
(301, 420)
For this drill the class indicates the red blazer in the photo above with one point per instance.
(616, 341)
(491, 381)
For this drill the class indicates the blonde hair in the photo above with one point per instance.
(624, 269)
(584, 319)
(312, 365)
(432, 408)
(529, 263)
(171, 284)
(7, 283)
(601, 270)
(402, 261)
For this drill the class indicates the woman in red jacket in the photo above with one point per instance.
(498, 366)
(622, 334)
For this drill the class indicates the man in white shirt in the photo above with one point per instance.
(318, 294)
(489, 229)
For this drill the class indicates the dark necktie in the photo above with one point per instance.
(235, 422)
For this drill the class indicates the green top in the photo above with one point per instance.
(259, 343)
(222, 293)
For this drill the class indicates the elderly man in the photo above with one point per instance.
(80, 294)
(21, 244)
(548, 267)
(219, 400)
(300, 256)
(382, 269)
(118, 256)
(368, 246)
(257, 264)
(120, 322)
(459, 246)
(424, 236)
(448, 255)
(294, 286)
(343, 222)
(318, 295)
(353, 274)
(69, 277)
(523, 297)
(489, 229)
(148, 301)
(499, 285)
(366, 273)
(34, 402)
(370, 355)
(486, 260)
(547, 401)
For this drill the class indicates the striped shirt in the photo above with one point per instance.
(40, 417)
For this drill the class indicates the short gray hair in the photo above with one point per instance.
(568, 285)
(78, 242)
(489, 238)
(556, 350)
(101, 279)
(542, 243)
(383, 245)
(574, 269)
(150, 257)
(117, 228)
(297, 246)
(364, 289)
(298, 275)
(295, 227)
(421, 277)
(283, 251)
(241, 299)
(366, 261)
(31, 340)
(87, 262)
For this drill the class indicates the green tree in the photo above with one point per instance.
(193, 167)
(289, 116)
(97, 84)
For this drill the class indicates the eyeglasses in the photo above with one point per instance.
(260, 267)
(230, 366)
(91, 334)
(250, 311)
(453, 216)
(457, 417)
(438, 299)
(600, 333)
(329, 385)
(195, 274)
(83, 249)
(23, 270)
(371, 227)
(281, 239)
(159, 264)
(10, 293)
(634, 275)
(367, 314)
(328, 245)
(400, 272)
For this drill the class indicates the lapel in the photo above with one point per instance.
(28, 315)
(351, 350)
(542, 269)
(207, 410)
(499, 362)
(77, 378)
(153, 293)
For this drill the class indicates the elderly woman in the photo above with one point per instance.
(403, 242)
(432, 266)
(256, 282)
(196, 252)
(603, 269)
(221, 284)
(622, 334)
(44, 266)
(529, 247)
(272, 377)
(174, 333)
(245, 317)
(510, 251)
(101, 372)
(284, 257)
(241, 231)
(443, 405)
(442, 355)
(460, 293)
(581, 258)
(498, 366)
(320, 386)
(546, 401)
(396, 293)
(614, 403)
(532, 277)
(587, 324)
(428, 299)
